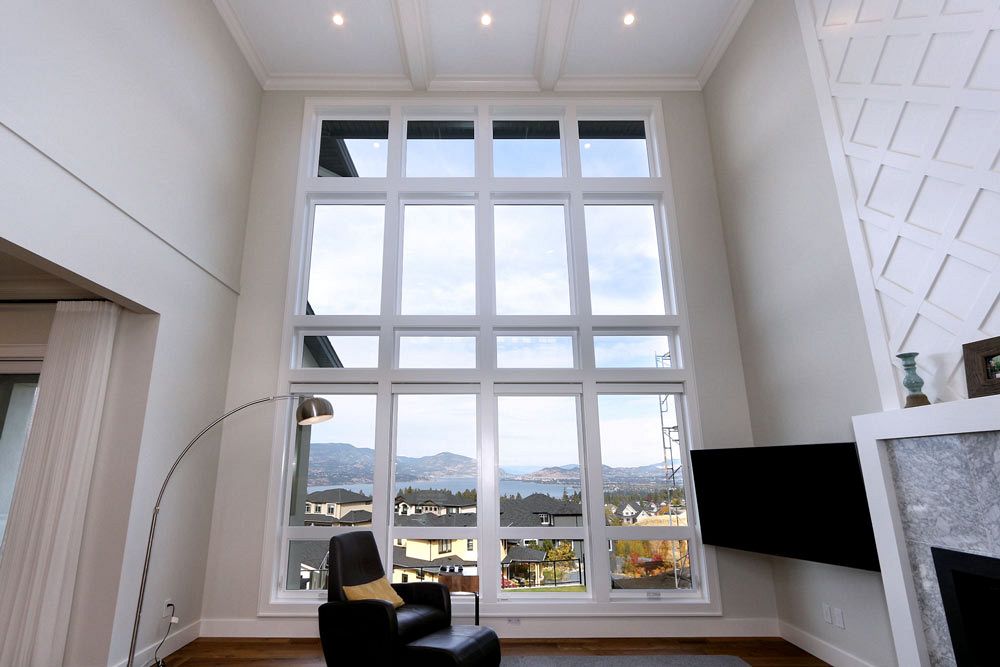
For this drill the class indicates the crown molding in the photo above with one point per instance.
(486, 84)
(723, 41)
(242, 39)
(340, 83)
(627, 84)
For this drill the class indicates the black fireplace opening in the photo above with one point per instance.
(970, 591)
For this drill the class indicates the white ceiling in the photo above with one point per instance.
(401, 45)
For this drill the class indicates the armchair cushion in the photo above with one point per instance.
(416, 620)
(377, 589)
(426, 593)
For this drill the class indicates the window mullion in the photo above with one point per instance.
(489, 503)
(599, 564)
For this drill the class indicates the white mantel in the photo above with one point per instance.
(872, 432)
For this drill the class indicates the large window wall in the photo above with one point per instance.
(486, 293)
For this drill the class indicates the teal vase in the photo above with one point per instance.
(913, 382)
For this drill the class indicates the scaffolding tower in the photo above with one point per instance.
(670, 434)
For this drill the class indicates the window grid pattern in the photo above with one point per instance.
(584, 379)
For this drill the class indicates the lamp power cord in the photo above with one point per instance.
(157, 661)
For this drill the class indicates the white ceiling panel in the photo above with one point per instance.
(441, 45)
(668, 39)
(462, 47)
(299, 38)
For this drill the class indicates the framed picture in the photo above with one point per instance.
(982, 367)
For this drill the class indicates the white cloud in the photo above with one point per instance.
(439, 260)
(631, 433)
(427, 424)
(537, 431)
(345, 273)
(353, 421)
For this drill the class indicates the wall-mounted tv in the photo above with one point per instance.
(798, 501)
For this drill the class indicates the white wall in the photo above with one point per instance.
(126, 134)
(802, 339)
(231, 606)
(910, 99)
(146, 102)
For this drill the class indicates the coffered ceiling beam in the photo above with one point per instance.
(553, 38)
(410, 28)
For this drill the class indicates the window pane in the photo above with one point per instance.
(526, 148)
(440, 148)
(437, 352)
(17, 405)
(339, 351)
(535, 352)
(613, 148)
(632, 351)
(624, 260)
(335, 466)
(641, 460)
(353, 148)
(531, 267)
(308, 565)
(345, 273)
(436, 462)
(539, 458)
(439, 260)
(650, 564)
(428, 559)
(542, 566)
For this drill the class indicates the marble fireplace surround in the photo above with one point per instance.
(932, 475)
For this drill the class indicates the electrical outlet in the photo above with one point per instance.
(166, 611)
(827, 613)
(838, 618)
(513, 621)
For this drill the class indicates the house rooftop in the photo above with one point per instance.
(337, 495)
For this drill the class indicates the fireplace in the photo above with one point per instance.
(970, 591)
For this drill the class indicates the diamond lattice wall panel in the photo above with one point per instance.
(909, 92)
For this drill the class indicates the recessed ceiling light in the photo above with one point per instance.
(629, 19)
(338, 19)
(376, 145)
(486, 19)
(587, 145)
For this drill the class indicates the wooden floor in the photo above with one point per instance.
(759, 652)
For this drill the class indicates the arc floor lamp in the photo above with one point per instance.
(311, 410)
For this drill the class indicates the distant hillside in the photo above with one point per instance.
(332, 463)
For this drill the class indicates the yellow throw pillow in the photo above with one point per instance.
(378, 589)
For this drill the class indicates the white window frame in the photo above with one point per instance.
(483, 190)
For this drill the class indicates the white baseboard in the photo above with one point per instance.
(177, 639)
(821, 648)
(537, 627)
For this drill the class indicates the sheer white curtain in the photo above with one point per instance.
(45, 527)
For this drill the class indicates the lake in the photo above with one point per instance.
(456, 484)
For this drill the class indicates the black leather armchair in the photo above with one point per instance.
(372, 631)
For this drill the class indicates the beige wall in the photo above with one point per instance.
(126, 134)
(747, 592)
(25, 323)
(807, 366)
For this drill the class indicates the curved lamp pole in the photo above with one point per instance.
(312, 410)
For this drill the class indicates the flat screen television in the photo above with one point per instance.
(797, 501)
